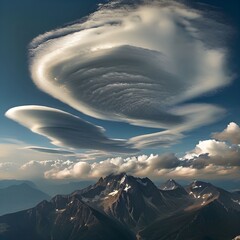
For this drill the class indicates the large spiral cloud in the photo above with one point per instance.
(136, 62)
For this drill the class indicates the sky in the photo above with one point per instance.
(150, 88)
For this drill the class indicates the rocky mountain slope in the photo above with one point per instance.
(124, 207)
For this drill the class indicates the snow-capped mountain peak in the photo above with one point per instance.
(170, 185)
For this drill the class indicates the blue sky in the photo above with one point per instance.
(23, 21)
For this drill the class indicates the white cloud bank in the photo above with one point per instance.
(210, 159)
(138, 63)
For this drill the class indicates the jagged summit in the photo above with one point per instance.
(122, 177)
(122, 181)
(199, 184)
(200, 187)
(130, 199)
(170, 185)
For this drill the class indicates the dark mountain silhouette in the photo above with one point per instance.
(124, 207)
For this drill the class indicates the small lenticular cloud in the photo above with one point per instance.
(51, 150)
(66, 130)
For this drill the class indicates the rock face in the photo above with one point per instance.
(124, 207)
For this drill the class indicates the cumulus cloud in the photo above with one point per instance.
(138, 165)
(77, 170)
(37, 169)
(165, 166)
(122, 63)
(231, 134)
(223, 151)
(66, 130)
(214, 152)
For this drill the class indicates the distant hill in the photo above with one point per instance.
(19, 197)
(123, 207)
(10, 182)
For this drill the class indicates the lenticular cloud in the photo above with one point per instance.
(66, 130)
(136, 63)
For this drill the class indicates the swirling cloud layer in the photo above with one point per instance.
(66, 130)
(136, 63)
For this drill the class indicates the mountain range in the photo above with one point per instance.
(130, 208)
(20, 196)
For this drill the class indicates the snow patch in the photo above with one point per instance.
(127, 187)
(113, 193)
(236, 201)
(123, 179)
(169, 188)
(60, 210)
(196, 186)
(191, 193)
(207, 195)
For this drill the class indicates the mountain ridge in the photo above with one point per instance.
(126, 207)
